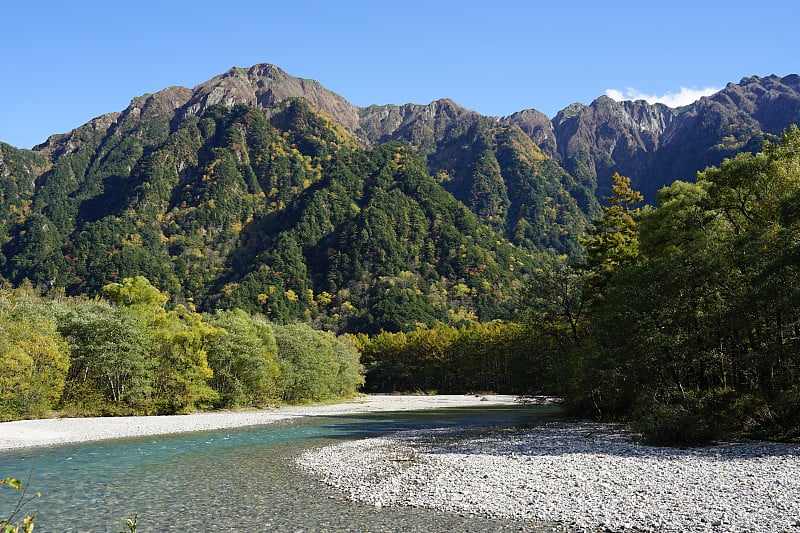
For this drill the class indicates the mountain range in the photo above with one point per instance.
(260, 190)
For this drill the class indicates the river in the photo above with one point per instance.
(231, 480)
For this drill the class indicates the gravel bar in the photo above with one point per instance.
(585, 476)
(57, 431)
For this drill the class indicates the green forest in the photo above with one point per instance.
(684, 319)
(290, 217)
(243, 258)
(126, 354)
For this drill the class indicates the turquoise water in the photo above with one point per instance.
(230, 480)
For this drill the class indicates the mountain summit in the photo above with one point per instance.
(651, 143)
(271, 193)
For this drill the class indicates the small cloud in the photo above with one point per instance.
(683, 97)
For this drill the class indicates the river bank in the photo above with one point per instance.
(55, 431)
(585, 476)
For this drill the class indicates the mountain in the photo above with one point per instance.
(737, 118)
(268, 192)
(594, 141)
(652, 144)
(655, 145)
(278, 210)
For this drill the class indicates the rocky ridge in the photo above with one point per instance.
(652, 144)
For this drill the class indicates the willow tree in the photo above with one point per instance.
(109, 353)
(33, 365)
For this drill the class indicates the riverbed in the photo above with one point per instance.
(479, 464)
(585, 476)
(238, 479)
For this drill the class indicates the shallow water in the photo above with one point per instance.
(231, 480)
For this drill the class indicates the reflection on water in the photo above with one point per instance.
(230, 480)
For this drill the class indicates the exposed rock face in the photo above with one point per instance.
(265, 86)
(737, 118)
(655, 145)
(538, 127)
(597, 140)
(652, 144)
(164, 102)
(771, 101)
(66, 143)
(420, 125)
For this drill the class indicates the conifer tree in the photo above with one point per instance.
(614, 239)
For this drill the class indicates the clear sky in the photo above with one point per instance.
(65, 62)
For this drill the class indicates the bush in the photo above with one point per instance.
(697, 418)
(33, 366)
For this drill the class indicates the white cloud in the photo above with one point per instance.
(683, 97)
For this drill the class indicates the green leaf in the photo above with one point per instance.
(12, 482)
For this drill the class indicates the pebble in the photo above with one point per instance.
(585, 475)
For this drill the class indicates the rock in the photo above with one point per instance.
(532, 475)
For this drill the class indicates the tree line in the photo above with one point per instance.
(128, 354)
(503, 357)
(684, 318)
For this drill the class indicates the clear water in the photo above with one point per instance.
(230, 480)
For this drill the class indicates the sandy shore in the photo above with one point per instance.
(54, 431)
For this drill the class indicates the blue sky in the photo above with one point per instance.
(64, 63)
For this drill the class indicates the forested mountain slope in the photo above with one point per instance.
(268, 192)
(289, 216)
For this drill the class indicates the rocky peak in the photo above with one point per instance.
(772, 101)
(419, 125)
(266, 85)
(625, 116)
(736, 119)
(607, 136)
(538, 127)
